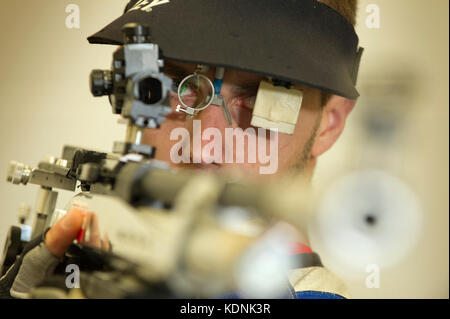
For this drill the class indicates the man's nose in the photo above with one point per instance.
(212, 116)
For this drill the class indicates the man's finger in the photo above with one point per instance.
(94, 239)
(62, 234)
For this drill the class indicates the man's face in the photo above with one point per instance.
(239, 91)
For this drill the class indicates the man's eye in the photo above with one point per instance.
(249, 102)
(245, 96)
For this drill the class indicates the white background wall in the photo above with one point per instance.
(45, 104)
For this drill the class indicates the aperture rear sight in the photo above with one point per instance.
(136, 87)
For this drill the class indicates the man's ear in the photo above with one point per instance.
(332, 123)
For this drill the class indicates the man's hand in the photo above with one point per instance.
(40, 260)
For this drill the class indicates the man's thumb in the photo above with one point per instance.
(62, 234)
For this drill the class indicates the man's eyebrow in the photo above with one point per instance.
(175, 70)
(244, 83)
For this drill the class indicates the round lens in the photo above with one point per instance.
(196, 91)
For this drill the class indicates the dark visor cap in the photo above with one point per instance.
(300, 41)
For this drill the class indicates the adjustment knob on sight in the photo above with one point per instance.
(101, 82)
(18, 173)
(136, 33)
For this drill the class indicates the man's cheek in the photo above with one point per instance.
(161, 134)
(150, 137)
(268, 151)
(284, 144)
